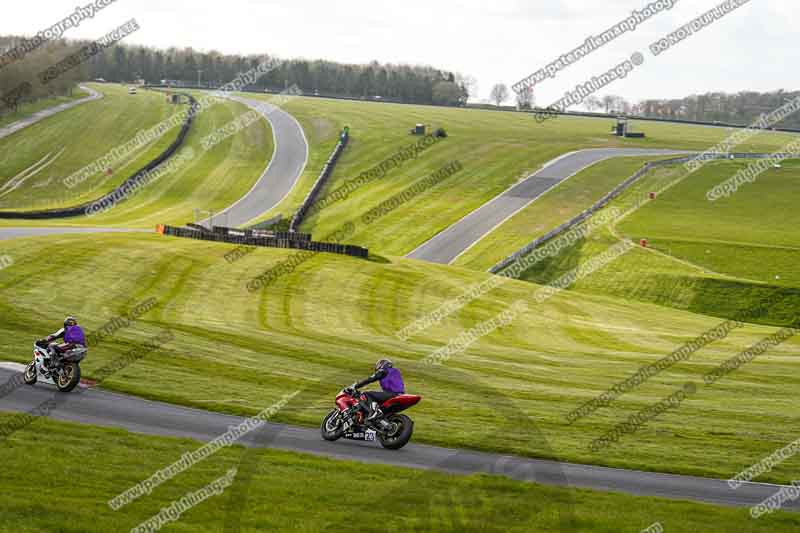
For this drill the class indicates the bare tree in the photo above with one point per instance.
(499, 94)
(592, 103)
(608, 102)
(621, 105)
(525, 98)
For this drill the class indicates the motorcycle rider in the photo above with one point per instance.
(71, 333)
(391, 381)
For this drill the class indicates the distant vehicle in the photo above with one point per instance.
(132, 90)
(99, 80)
(377, 97)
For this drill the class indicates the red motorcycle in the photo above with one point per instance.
(391, 429)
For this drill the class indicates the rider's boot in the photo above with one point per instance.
(374, 412)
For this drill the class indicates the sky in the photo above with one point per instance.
(496, 41)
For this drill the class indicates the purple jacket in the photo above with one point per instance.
(74, 335)
(393, 382)
(71, 335)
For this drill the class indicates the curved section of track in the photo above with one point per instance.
(285, 168)
(102, 408)
(282, 173)
(446, 246)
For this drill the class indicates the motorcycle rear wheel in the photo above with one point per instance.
(330, 430)
(401, 435)
(30, 376)
(69, 377)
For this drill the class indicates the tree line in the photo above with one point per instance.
(399, 83)
(126, 64)
(20, 81)
(743, 108)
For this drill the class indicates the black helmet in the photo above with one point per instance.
(382, 364)
(70, 321)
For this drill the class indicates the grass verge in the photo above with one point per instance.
(86, 466)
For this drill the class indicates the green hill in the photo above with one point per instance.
(715, 258)
(323, 325)
(212, 179)
(495, 148)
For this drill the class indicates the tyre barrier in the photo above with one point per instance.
(278, 240)
(330, 164)
(619, 189)
(80, 210)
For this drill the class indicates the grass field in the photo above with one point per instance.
(496, 149)
(323, 494)
(710, 258)
(323, 325)
(213, 179)
(67, 142)
(751, 234)
(29, 108)
(333, 317)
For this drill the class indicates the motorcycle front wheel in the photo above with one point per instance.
(29, 377)
(332, 428)
(69, 377)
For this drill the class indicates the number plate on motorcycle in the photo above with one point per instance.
(368, 435)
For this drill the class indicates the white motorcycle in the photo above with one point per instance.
(65, 373)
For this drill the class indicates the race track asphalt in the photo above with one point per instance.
(108, 409)
(446, 246)
(283, 171)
